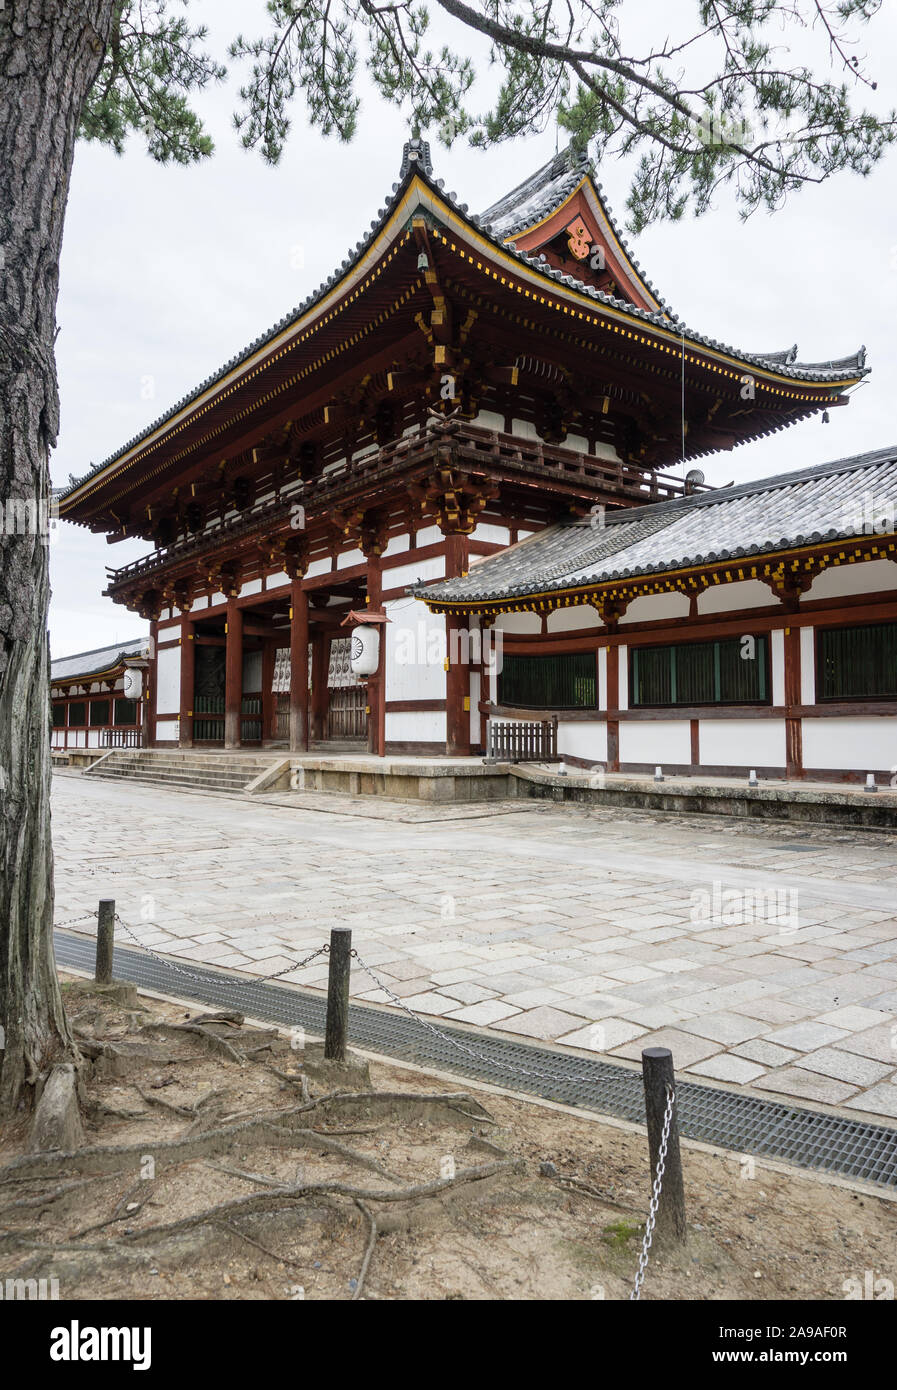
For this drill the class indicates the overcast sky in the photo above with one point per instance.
(168, 272)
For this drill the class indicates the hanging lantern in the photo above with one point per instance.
(133, 683)
(365, 650)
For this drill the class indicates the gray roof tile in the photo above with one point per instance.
(793, 509)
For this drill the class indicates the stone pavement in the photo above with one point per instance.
(763, 955)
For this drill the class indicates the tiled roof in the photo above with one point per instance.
(91, 663)
(416, 161)
(780, 513)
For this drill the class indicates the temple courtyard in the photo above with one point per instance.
(764, 956)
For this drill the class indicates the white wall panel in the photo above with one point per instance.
(519, 622)
(742, 742)
(415, 652)
(807, 666)
(167, 730)
(861, 578)
(650, 608)
(168, 680)
(576, 618)
(850, 745)
(416, 726)
(655, 741)
(727, 598)
(584, 739)
(402, 575)
(777, 663)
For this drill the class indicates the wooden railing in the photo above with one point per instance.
(524, 741)
(121, 738)
(208, 719)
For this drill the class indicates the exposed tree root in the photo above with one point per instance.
(275, 1201)
(372, 1240)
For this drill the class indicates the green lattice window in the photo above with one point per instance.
(567, 681)
(732, 671)
(856, 663)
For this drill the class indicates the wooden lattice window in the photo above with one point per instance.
(99, 714)
(59, 716)
(567, 681)
(856, 663)
(732, 671)
(125, 712)
(77, 714)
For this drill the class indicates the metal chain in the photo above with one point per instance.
(655, 1196)
(183, 970)
(462, 1047)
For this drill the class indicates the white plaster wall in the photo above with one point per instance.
(651, 608)
(168, 729)
(576, 618)
(252, 586)
(93, 738)
(745, 593)
(525, 429)
(201, 602)
(401, 575)
(742, 742)
(807, 666)
(578, 442)
(276, 581)
(623, 679)
(860, 578)
(855, 745)
(429, 535)
(489, 420)
(416, 726)
(585, 739)
(168, 680)
(602, 678)
(606, 451)
(777, 665)
(496, 535)
(655, 741)
(321, 566)
(415, 653)
(349, 557)
(397, 544)
(217, 598)
(519, 622)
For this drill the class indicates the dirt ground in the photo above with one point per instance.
(210, 1169)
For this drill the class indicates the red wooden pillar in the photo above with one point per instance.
(794, 753)
(457, 675)
(188, 670)
(233, 675)
(298, 667)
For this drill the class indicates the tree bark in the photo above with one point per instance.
(50, 54)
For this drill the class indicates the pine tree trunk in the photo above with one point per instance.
(50, 54)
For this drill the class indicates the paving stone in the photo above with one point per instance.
(856, 1018)
(543, 1022)
(878, 1100)
(489, 1011)
(725, 1067)
(805, 1085)
(602, 1036)
(430, 1003)
(770, 1054)
(726, 1028)
(847, 1066)
(807, 1036)
(880, 1043)
(685, 1047)
(466, 992)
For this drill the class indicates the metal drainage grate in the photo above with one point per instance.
(727, 1119)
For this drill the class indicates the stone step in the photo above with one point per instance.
(236, 785)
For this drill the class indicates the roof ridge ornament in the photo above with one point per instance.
(415, 152)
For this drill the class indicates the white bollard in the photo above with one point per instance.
(752, 779)
(870, 783)
(658, 774)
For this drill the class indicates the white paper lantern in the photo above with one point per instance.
(365, 650)
(133, 683)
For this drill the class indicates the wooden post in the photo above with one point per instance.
(105, 934)
(298, 667)
(233, 675)
(658, 1076)
(320, 654)
(336, 1035)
